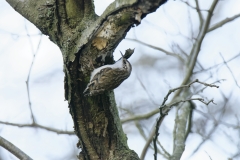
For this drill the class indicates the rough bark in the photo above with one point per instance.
(87, 41)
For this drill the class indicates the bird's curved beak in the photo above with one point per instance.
(121, 54)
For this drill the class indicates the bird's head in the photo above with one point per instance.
(126, 64)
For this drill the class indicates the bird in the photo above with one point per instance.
(108, 77)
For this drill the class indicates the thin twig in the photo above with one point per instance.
(219, 121)
(200, 16)
(208, 155)
(229, 70)
(138, 117)
(157, 48)
(35, 125)
(149, 96)
(205, 139)
(195, 8)
(209, 68)
(30, 69)
(19, 35)
(166, 154)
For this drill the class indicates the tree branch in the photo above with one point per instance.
(96, 119)
(26, 7)
(199, 14)
(157, 48)
(209, 68)
(13, 149)
(230, 70)
(164, 109)
(139, 117)
(30, 69)
(223, 22)
(35, 125)
(147, 144)
(196, 48)
(180, 131)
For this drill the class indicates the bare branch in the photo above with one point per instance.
(223, 22)
(186, 86)
(229, 70)
(195, 8)
(206, 138)
(196, 48)
(181, 50)
(208, 155)
(143, 86)
(217, 64)
(30, 69)
(141, 131)
(35, 125)
(138, 117)
(157, 48)
(164, 109)
(148, 142)
(166, 154)
(217, 121)
(13, 149)
(150, 114)
(199, 14)
(19, 35)
(159, 121)
(150, 138)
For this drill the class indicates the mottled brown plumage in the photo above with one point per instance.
(108, 77)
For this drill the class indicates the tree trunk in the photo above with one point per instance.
(87, 41)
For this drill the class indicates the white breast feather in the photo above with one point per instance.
(118, 64)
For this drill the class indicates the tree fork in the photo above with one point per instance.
(88, 40)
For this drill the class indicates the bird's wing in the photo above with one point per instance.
(98, 78)
(105, 79)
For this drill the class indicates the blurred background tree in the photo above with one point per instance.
(180, 42)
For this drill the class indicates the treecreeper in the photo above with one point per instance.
(109, 77)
